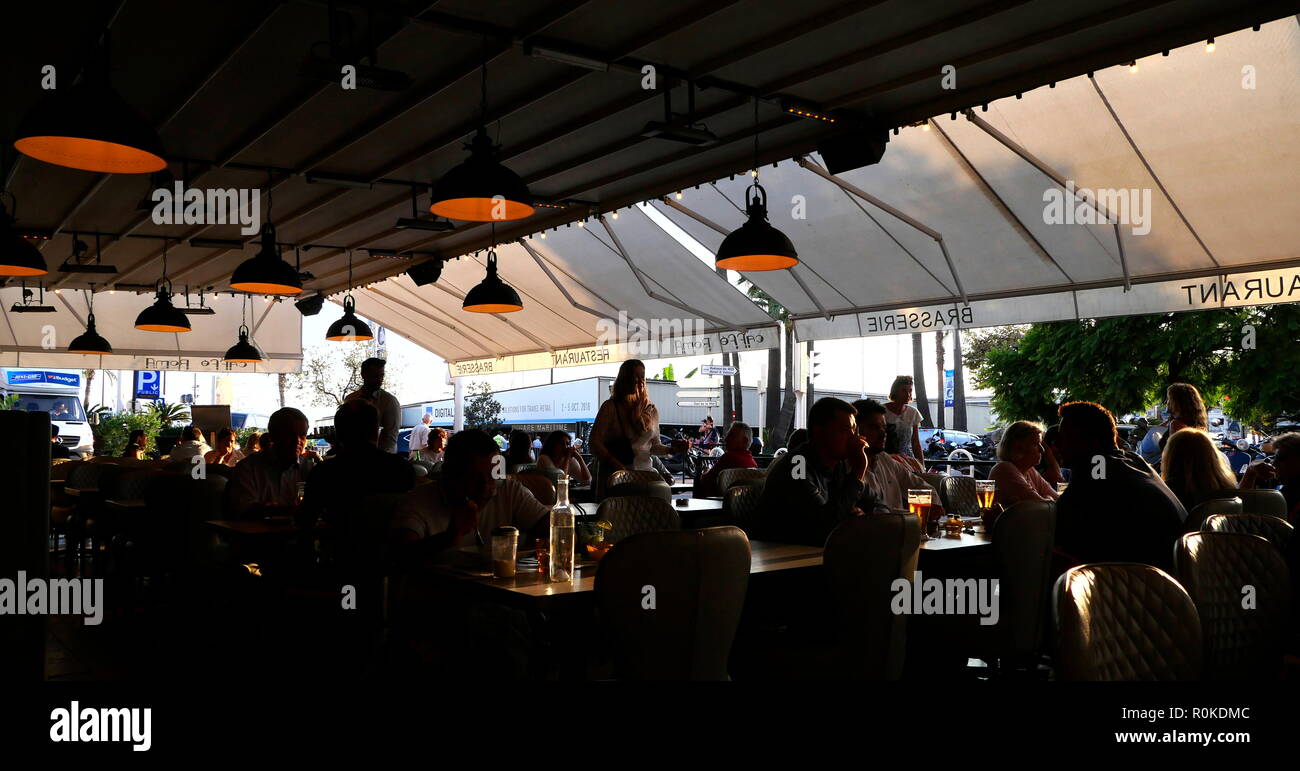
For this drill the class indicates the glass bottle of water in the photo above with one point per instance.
(562, 534)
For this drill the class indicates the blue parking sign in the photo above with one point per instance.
(148, 384)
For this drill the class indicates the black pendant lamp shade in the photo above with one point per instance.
(90, 127)
(349, 328)
(243, 351)
(756, 245)
(90, 341)
(481, 189)
(265, 272)
(492, 295)
(162, 316)
(17, 256)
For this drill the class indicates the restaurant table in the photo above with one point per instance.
(527, 590)
(271, 528)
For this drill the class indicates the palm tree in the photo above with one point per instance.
(168, 414)
(918, 378)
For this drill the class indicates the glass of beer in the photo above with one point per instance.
(919, 503)
(985, 489)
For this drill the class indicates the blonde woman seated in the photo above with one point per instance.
(1194, 469)
(1020, 450)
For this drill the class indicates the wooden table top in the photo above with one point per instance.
(276, 526)
(697, 505)
(765, 557)
(964, 541)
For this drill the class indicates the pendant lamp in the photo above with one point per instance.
(90, 341)
(243, 352)
(162, 316)
(348, 328)
(17, 256)
(481, 189)
(88, 126)
(756, 245)
(265, 272)
(492, 295)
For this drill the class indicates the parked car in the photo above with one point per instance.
(940, 442)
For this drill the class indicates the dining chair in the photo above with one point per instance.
(959, 496)
(1206, 509)
(863, 558)
(673, 601)
(1125, 621)
(625, 476)
(740, 476)
(1022, 546)
(654, 489)
(1268, 502)
(1242, 590)
(740, 504)
(634, 514)
(1275, 530)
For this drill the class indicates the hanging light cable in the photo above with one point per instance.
(162, 316)
(90, 341)
(243, 352)
(349, 328)
(481, 189)
(756, 245)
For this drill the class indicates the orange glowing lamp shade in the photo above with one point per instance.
(492, 295)
(481, 189)
(349, 328)
(756, 245)
(90, 342)
(243, 352)
(162, 316)
(18, 257)
(89, 127)
(265, 272)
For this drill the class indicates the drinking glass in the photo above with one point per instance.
(919, 503)
(1060, 487)
(985, 489)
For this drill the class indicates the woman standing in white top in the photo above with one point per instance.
(626, 431)
(904, 419)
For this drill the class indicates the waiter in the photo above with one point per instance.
(390, 412)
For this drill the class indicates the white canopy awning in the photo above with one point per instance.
(39, 339)
(1196, 155)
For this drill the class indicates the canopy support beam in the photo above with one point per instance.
(1053, 175)
(874, 201)
(563, 289)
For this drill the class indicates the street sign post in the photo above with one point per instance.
(717, 369)
(699, 403)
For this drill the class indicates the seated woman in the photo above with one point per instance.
(226, 453)
(1020, 450)
(1194, 469)
(519, 452)
(558, 452)
(135, 445)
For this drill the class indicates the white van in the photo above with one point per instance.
(58, 392)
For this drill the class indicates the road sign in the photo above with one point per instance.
(698, 394)
(699, 403)
(717, 369)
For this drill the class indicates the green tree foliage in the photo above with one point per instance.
(481, 410)
(114, 429)
(168, 414)
(1126, 363)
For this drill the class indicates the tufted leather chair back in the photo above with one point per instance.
(656, 489)
(1241, 643)
(864, 556)
(740, 476)
(1268, 502)
(624, 476)
(539, 485)
(1206, 509)
(934, 480)
(1125, 621)
(699, 579)
(1272, 529)
(1022, 540)
(741, 504)
(959, 496)
(634, 514)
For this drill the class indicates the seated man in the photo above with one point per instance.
(740, 438)
(337, 486)
(272, 476)
(819, 483)
(57, 450)
(449, 518)
(1284, 469)
(887, 478)
(191, 443)
(1116, 508)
